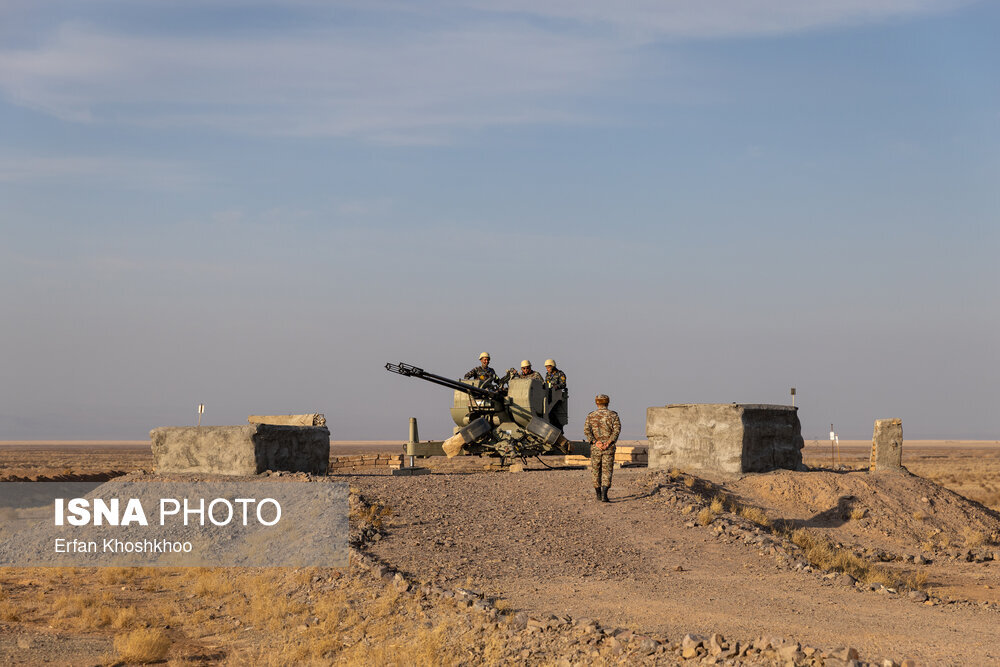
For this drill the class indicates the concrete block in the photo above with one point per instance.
(311, 419)
(241, 450)
(887, 445)
(724, 437)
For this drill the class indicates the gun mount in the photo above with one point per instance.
(511, 417)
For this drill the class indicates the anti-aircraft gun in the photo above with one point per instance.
(510, 417)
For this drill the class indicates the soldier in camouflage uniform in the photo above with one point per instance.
(554, 378)
(526, 371)
(482, 372)
(602, 429)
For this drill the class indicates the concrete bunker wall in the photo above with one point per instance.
(724, 437)
(241, 450)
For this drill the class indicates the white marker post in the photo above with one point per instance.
(201, 411)
(833, 437)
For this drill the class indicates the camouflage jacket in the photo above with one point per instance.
(481, 373)
(555, 379)
(532, 374)
(602, 424)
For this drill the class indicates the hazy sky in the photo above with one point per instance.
(257, 205)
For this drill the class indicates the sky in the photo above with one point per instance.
(257, 205)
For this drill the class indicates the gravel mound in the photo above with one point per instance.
(898, 512)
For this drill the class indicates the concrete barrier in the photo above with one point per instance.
(241, 450)
(311, 419)
(887, 445)
(724, 437)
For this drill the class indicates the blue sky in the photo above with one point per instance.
(257, 205)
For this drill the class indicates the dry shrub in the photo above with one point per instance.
(274, 611)
(83, 612)
(920, 515)
(718, 504)
(118, 575)
(96, 617)
(126, 617)
(374, 514)
(674, 474)
(823, 554)
(756, 515)
(706, 516)
(9, 612)
(858, 513)
(144, 645)
(334, 612)
(973, 538)
(690, 482)
(387, 602)
(212, 582)
(916, 581)
(72, 605)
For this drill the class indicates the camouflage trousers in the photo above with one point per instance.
(602, 465)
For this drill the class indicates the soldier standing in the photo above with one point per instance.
(526, 371)
(602, 429)
(554, 378)
(482, 372)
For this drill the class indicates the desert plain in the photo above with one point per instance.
(468, 566)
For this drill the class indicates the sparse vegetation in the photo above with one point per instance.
(858, 513)
(143, 646)
(210, 583)
(973, 538)
(126, 617)
(822, 553)
(374, 514)
(9, 612)
(706, 516)
(718, 504)
(755, 514)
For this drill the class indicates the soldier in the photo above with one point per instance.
(526, 371)
(602, 429)
(554, 378)
(482, 372)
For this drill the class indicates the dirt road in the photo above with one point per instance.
(541, 541)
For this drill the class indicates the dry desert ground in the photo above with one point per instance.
(467, 566)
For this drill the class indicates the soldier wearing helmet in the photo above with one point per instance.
(554, 378)
(526, 371)
(602, 429)
(482, 372)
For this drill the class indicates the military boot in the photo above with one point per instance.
(598, 492)
(604, 494)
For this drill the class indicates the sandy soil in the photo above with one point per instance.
(542, 541)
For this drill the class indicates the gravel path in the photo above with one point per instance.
(541, 541)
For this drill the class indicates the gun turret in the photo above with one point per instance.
(508, 418)
(471, 389)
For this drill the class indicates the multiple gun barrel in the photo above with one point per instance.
(511, 417)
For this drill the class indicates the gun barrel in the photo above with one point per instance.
(412, 371)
